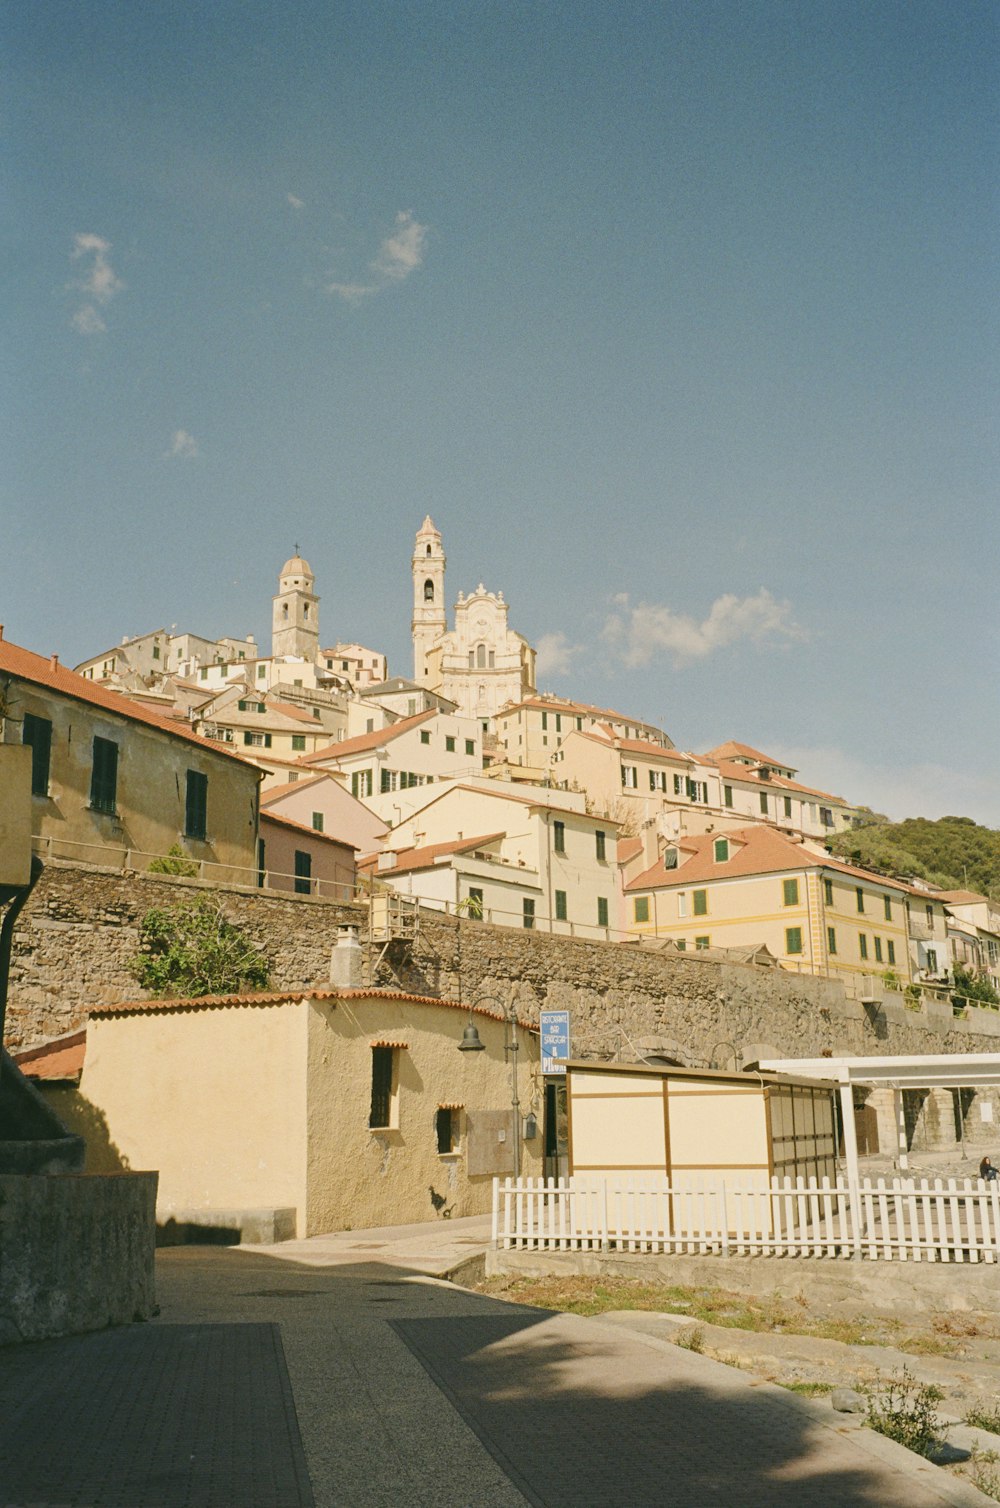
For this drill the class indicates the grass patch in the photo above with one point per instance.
(984, 1472)
(985, 1414)
(903, 1409)
(810, 1389)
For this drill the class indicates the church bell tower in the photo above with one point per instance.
(429, 620)
(295, 612)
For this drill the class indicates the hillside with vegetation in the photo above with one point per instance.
(953, 852)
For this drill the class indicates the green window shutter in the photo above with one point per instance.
(878, 950)
(602, 911)
(104, 775)
(887, 903)
(790, 891)
(559, 836)
(449, 744)
(600, 841)
(37, 732)
(470, 746)
(267, 740)
(699, 902)
(727, 794)
(425, 737)
(788, 806)
(317, 822)
(681, 944)
(793, 939)
(892, 950)
(828, 892)
(303, 872)
(862, 945)
(860, 895)
(384, 781)
(528, 912)
(298, 742)
(721, 850)
(196, 805)
(641, 908)
(831, 940)
(763, 802)
(560, 905)
(702, 942)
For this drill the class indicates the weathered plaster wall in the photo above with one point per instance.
(76, 937)
(76, 1252)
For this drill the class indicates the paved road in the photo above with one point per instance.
(340, 1375)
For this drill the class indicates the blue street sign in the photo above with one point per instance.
(555, 1040)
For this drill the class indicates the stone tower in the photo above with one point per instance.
(429, 620)
(295, 616)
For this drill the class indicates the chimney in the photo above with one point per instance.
(650, 843)
(1, 631)
(346, 960)
(54, 662)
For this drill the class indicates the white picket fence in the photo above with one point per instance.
(940, 1220)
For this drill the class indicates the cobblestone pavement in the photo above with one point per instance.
(408, 1391)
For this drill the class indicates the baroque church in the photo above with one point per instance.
(481, 664)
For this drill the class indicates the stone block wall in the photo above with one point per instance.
(78, 934)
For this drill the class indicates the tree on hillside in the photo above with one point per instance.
(194, 949)
(952, 852)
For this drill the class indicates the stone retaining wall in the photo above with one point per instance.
(79, 932)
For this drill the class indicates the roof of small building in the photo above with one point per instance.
(62, 1058)
(301, 827)
(750, 1079)
(276, 792)
(28, 666)
(730, 769)
(289, 997)
(960, 897)
(366, 741)
(556, 704)
(758, 850)
(731, 748)
(426, 857)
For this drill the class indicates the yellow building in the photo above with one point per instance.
(111, 777)
(325, 1108)
(756, 886)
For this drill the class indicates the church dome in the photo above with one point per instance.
(297, 567)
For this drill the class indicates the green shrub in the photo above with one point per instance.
(194, 950)
(174, 861)
(903, 1409)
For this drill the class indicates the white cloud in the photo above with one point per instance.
(295, 202)
(403, 251)
(99, 282)
(555, 654)
(400, 253)
(638, 633)
(184, 445)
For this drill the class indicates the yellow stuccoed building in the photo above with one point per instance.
(755, 887)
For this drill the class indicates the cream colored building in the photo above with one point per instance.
(348, 1108)
(532, 731)
(754, 886)
(112, 778)
(481, 664)
(164, 652)
(519, 858)
(257, 722)
(973, 932)
(387, 767)
(363, 667)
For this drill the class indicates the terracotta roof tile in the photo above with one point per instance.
(758, 850)
(366, 741)
(310, 831)
(289, 997)
(426, 857)
(61, 1058)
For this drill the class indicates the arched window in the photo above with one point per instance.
(428, 590)
(284, 609)
(428, 549)
(481, 656)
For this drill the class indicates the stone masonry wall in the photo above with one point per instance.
(76, 937)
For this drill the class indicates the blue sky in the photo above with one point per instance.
(680, 320)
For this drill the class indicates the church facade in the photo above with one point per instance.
(481, 664)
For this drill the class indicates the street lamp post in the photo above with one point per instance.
(471, 1042)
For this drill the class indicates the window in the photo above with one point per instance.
(930, 915)
(702, 942)
(559, 837)
(446, 1129)
(790, 892)
(763, 802)
(727, 794)
(681, 943)
(670, 858)
(480, 656)
(428, 590)
(859, 893)
(640, 908)
(682, 904)
(257, 740)
(361, 783)
(384, 1080)
(579, 725)
(697, 790)
(261, 672)
(37, 732)
(600, 841)
(862, 945)
(545, 721)
(203, 673)
(528, 912)
(196, 805)
(298, 742)
(700, 902)
(241, 706)
(560, 905)
(630, 778)
(317, 822)
(826, 816)
(470, 746)
(793, 939)
(261, 866)
(721, 850)
(678, 785)
(425, 736)
(449, 744)
(887, 903)
(303, 873)
(932, 960)
(831, 939)
(104, 776)
(387, 780)
(878, 950)
(156, 651)
(892, 950)
(828, 892)
(788, 806)
(602, 911)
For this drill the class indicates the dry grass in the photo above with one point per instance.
(773, 1313)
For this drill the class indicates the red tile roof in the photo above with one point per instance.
(426, 857)
(732, 770)
(27, 666)
(61, 1058)
(276, 792)
(728, 749)
(758, 850)
(289, 997)
(367, 741)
